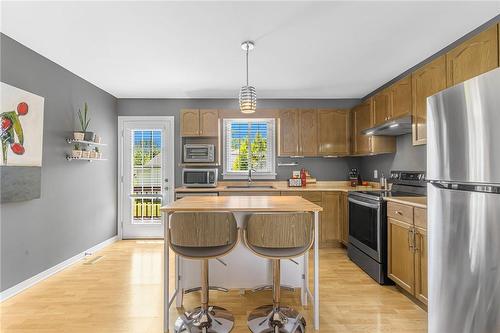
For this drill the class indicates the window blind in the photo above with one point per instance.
(249, 143)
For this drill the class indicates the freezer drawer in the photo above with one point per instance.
(464, 261)
(462, 131)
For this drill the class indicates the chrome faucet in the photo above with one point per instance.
(250, 174)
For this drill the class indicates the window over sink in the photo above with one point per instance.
(249, 143)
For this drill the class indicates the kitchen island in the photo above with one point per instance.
(242, 207)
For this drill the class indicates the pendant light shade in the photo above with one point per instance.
(248, 96)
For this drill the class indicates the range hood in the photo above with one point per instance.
(393, 127)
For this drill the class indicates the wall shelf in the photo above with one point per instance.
(90, 143)
(70, 158)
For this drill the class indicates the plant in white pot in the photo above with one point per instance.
(84, 124)
(76, 152)
(98, 154)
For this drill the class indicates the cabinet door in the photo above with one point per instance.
(344, 218)
(288, 132)
(380, 106)
(473, 57)
(361, 120)
(209, 123)
(330, 220)
(308, 133)
(334, 132)
(190, 122)
(401, 266)
(426, 82)
(401, 98)
(421, 265)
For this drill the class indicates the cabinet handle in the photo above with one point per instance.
(411, 239)
(415, 241)
(398, 212)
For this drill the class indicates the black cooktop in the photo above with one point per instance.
(385, 194)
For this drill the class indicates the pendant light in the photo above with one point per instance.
(248, 97)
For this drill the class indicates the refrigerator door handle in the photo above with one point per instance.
(486, 188)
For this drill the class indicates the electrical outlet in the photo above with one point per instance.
(375, 174)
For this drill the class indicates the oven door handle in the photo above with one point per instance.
(363, 203)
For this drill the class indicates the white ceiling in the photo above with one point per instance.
(192, 49)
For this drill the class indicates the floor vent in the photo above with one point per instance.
(93, 260)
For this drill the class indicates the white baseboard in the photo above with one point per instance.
(12, 291)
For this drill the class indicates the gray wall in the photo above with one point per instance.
(407, 157)
(78, 207)
(321, 168)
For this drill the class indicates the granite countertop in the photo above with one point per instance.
(278, 186)
(420, 202)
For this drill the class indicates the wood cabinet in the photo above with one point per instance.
(381, 107)
(329, 219)
(308, 126)
(407, 248)
(473, 57)
(426, 81)
(361, 119)
(190, 122)
(400, 249)
(365, 144)
(400, 103)
(288, 128)
(195, 122)
(298, 132)
(334, 127)
(344, 218)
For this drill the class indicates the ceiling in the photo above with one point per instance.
(192, 49)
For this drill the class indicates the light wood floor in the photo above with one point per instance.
(122, 292)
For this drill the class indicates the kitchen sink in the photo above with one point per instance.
(262, 187)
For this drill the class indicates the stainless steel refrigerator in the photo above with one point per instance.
(463, 169)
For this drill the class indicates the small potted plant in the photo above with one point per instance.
(93, 153)
(84, 124)
(85, 153)
(76, 152)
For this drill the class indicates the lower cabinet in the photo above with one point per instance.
(344, 218)
(407, 249)
(330, 219)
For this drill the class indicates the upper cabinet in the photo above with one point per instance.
(473, 57)
(288, 128)
(400, 93)
(308, 143)
(381, 107)
(334, 132)
(362, 118)
(426, 81)
(196, 122)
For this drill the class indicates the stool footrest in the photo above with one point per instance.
(187, 291)
(270, 287)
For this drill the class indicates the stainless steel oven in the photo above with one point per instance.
(368, 222)
(199, 177)
(199, 153)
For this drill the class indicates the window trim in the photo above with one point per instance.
(271, 142)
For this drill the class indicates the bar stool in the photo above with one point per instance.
(203, 236)
(278, 236)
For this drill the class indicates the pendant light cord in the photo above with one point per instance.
(247, 62)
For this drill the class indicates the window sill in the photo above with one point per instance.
(245, 176)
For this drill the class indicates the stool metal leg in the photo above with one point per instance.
(205, 318)
(276, 318)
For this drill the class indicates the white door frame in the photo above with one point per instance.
(169, 154)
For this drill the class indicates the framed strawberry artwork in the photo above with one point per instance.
(21, 131)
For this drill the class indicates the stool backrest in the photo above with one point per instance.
(203, 229)
(279, 230)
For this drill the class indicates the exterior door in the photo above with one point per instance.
(146, 178)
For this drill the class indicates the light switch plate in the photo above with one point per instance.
(375, 174)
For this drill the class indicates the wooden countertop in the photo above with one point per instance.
(420, 202)
(242, 204)
(282, 186)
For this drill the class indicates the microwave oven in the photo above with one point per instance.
(199, 153)
(199, 177)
